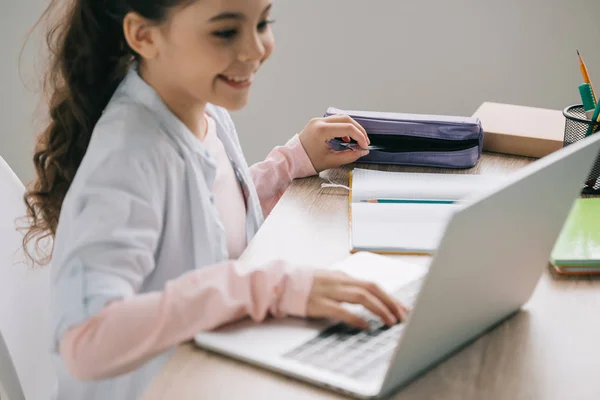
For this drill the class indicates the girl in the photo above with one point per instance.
(144, 187)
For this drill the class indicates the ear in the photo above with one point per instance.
(140, 35)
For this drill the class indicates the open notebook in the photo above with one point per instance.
(411, 227)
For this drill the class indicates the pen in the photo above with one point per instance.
(356, 146)
(409, 201)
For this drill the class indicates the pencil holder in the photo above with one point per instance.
(576, 128)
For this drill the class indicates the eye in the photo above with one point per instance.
(226, 33)
(264, 25)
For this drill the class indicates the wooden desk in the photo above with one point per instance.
(550, 350)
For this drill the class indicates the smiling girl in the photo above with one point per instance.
(143, 185)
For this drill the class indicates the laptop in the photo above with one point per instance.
(490, 258)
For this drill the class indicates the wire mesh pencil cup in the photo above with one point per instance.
(576, 128)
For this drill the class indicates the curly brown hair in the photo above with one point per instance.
(89, 58)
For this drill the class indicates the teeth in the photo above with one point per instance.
(238, 79)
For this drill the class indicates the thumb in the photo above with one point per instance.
(350, 156)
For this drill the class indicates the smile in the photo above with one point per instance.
(237, 82)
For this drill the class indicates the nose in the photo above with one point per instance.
(252, 49)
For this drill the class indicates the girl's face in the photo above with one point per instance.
(210, 50)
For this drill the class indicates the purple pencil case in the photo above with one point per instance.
(416, 139)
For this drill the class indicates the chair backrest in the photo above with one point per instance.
(24, 303)
(10, 387)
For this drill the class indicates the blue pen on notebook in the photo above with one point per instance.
(409, 201)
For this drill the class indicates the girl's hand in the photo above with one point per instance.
(330, 289)
(319, 131)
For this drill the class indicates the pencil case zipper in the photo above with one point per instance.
(393, 143)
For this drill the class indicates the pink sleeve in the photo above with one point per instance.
(197, 301)
(283, 164)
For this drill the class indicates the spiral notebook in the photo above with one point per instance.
(413, 211)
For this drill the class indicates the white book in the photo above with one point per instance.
(413, 208)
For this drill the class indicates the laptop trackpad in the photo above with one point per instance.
(273, 336)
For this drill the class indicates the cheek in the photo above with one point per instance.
(196, 59)
(203, 65)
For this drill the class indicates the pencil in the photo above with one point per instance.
(586, 74)
(409, 201)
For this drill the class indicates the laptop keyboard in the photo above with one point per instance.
(354, 352)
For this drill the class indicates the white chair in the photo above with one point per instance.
(10, 387)
(24, 306)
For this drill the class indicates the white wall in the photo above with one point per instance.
(427, 56)
(18, 99)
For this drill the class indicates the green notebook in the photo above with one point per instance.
(578, 244)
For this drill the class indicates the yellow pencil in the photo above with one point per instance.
(586, 74)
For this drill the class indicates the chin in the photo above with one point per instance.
(232, 104)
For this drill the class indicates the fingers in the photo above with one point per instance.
(349, 156)
(348, 119)
(340, 129)
(403, 310)
(358, 295)
(331, 289)
(334, 310)
(390, 302)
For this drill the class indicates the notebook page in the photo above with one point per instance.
(371, 184)
(399, 227)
